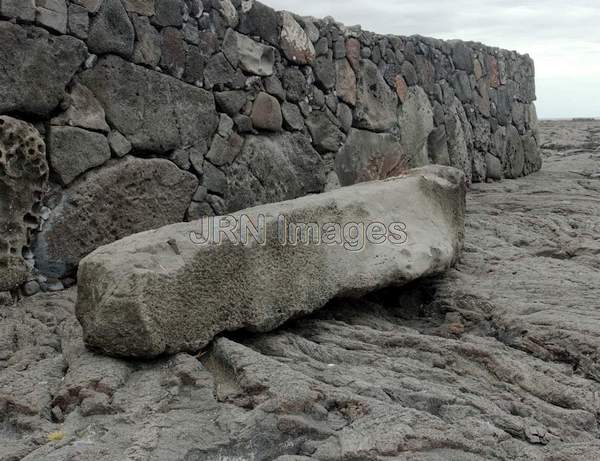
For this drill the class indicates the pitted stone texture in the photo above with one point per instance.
(155, 112)
(251, 56)
(376, 103)
(294, 42)
(23, 181)
(137, 194)
(111, 30)
(74, 151)
(368, 156)
(273, 168)
(416, 124)
(35, 68)
(158, 292)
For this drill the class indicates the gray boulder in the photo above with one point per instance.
(124, 197)
(84, 111)
(416, 124)
(295, 44)
(326, 135)
(74, 151)
(52, 14)
(266, 113)
(376, 103)
(368, 156)
(23, 181)
(35, 68)
(155, 112)
(251, 56)
(163, 291)
(274, 168)
(111, 30)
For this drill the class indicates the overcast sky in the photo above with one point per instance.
(562, 36)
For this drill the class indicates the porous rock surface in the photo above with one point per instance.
(80, 224)
(163, 292)
(495, 360)
(23, 181)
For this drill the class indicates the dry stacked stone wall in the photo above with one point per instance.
(153, 112)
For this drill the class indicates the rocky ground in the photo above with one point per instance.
(497, 360)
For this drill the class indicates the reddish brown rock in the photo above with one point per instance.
(353, 52)
(493, 72)
(401, 88)
(266, 113)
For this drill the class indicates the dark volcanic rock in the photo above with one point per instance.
(111, 30)
(125, 197)
(155, 112)
(35, 68)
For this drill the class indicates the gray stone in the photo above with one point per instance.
(294, 42)
(416, 123)
(35, 68)
(409, 73)
(141, 7)
(91, 5)
(230, 102)
(344, 115)
(181, 158)
(140, 297)
(376, 103)
(274, 87)
(214, 179)
(219, 72)
(462, 57)
(326, 136)
(345, 82)
(31, 288)
(196, 155)
(6, 298)
(73, 151)
(437, 146)
(79, 21)
(195, 63)
(515, 154)
(243, 123)
(292, 117)
(325, 72)
(52, 14)
(228, 11)
(119, 144)
(368, 156)
(493, 167)
(23, 181)
(168, 13)
(272, 168)
(260, 20)
(111, 30)
(155, 112)
(457, 144)
(199, 210)
(84, 110)
(224, 149)
(148, 43)
(173, 58)
(266, 113)
(137, 194)
(251, 56)
(20, 9)
(462, 86)
(294, 84)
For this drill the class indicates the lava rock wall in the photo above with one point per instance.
(158, 111)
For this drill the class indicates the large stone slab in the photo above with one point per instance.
(35, 68)
(124, 197)
(155, 112)
(162, 291)
(23, 181)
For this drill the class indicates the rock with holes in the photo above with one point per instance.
(173, 289)
(135, 195)
(376, 103)
(35, 68)
(23, 181)
(367, 156)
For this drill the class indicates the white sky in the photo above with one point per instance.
(562, 36)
